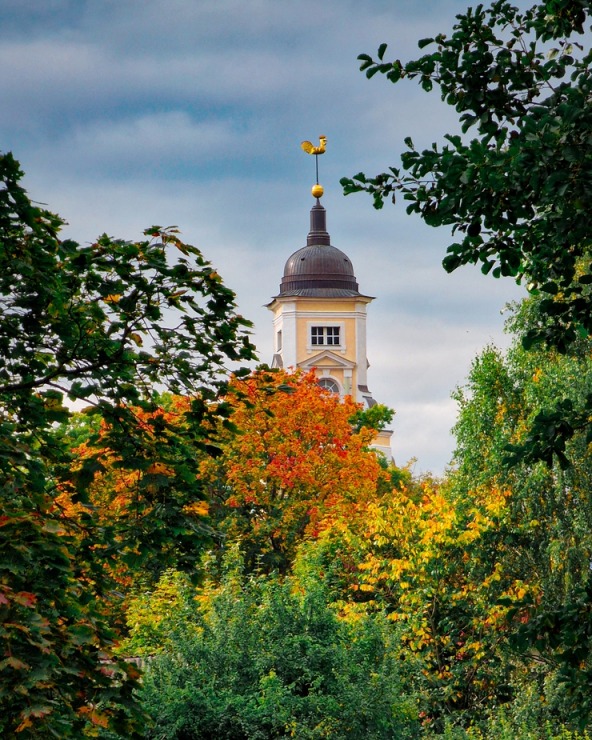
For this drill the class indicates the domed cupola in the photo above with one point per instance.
(319, 315)
(319, 269)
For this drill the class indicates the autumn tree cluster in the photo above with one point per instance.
(437, 608)
(168, 470)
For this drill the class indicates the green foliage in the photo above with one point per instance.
(259, 660)
(56, 642)
(106, 324)
(533, 714)
(155, 615)
(518, 193)
(489, 405)
(502, 726)
(551, 431)
(546, 540)
(377, 417)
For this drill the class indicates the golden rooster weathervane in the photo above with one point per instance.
(310, 148)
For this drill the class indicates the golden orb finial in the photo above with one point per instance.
(317, 191)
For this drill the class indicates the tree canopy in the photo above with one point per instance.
(296, 460)
(517, 192)
(106, 325)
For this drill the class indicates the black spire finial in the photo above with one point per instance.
(318, 226)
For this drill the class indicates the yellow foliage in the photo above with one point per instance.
(422, 555)
(159, 468)
(198, 508)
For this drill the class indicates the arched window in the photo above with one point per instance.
(329, 385)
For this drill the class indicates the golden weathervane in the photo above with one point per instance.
(309, 148)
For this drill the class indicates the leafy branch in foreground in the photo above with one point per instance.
(517, 194)
(108, 324)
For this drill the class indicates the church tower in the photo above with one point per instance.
(319, 317)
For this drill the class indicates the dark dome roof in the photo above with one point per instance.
(319, 269)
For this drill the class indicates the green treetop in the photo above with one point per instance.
(516, 193)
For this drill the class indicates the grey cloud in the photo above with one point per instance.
(191, 113)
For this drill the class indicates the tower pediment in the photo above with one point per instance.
(327, 359)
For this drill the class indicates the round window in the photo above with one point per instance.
(329, 385)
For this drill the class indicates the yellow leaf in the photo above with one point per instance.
(112, 298)
(24, 724)
(159, 468)
(198, 508)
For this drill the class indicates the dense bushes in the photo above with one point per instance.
(259, 658)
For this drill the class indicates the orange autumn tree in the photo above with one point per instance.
(136, 502)
(296, 462)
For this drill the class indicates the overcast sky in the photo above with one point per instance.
(129, 113)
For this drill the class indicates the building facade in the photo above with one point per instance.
(319, 318)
